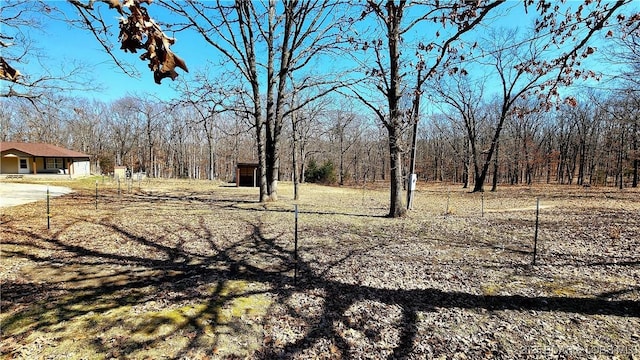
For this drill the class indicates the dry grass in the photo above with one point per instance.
(190, 269)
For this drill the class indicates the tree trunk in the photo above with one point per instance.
(273, 168)
(467, 165)
(342, 151)
(303, 161)
(620, 159)
(481, 176)
(494, 185)
(264, 194)
(571, 171)
(212, 158)
(396, 207)
(636, 159)
(270, 126)
(582, 162)
(294, 152)
(394, 124)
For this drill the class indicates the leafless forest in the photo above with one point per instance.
(594, 143)
(365, 94)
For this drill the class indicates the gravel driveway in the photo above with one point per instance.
(12, 194)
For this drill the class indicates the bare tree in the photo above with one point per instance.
(444, 53)
(208, 98)
(88, 131)
(20, 20)
(390, 69)
(464, 96)
(138, 31)
(266, 44)
(624, 56)
(14, 128)
(150, 114)
(304, 120)
(124, 127)
(342, 123)
(528, 66)
(623, 135)
(634, 131)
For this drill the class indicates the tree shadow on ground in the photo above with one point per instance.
(239, 202)
(206, 296)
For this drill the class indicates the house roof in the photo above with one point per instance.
(40, 149)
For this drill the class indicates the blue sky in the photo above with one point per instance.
(64, 45)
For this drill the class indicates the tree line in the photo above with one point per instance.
(593, 143)
(347, 82)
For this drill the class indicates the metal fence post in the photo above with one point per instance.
(295, 248)
(535, 236)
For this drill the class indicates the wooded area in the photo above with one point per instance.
(594, 143)
(494, 104)
(469, 95)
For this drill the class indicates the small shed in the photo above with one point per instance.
(119, 172)
(247, 174)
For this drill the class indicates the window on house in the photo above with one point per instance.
(54, 163)
(23, 164)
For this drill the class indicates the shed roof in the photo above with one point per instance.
(40, 149)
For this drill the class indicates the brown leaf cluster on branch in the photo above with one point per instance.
(7, 72)
(139, 31)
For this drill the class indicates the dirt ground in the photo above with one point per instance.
(201, 270)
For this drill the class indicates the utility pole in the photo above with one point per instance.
(413, 178)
